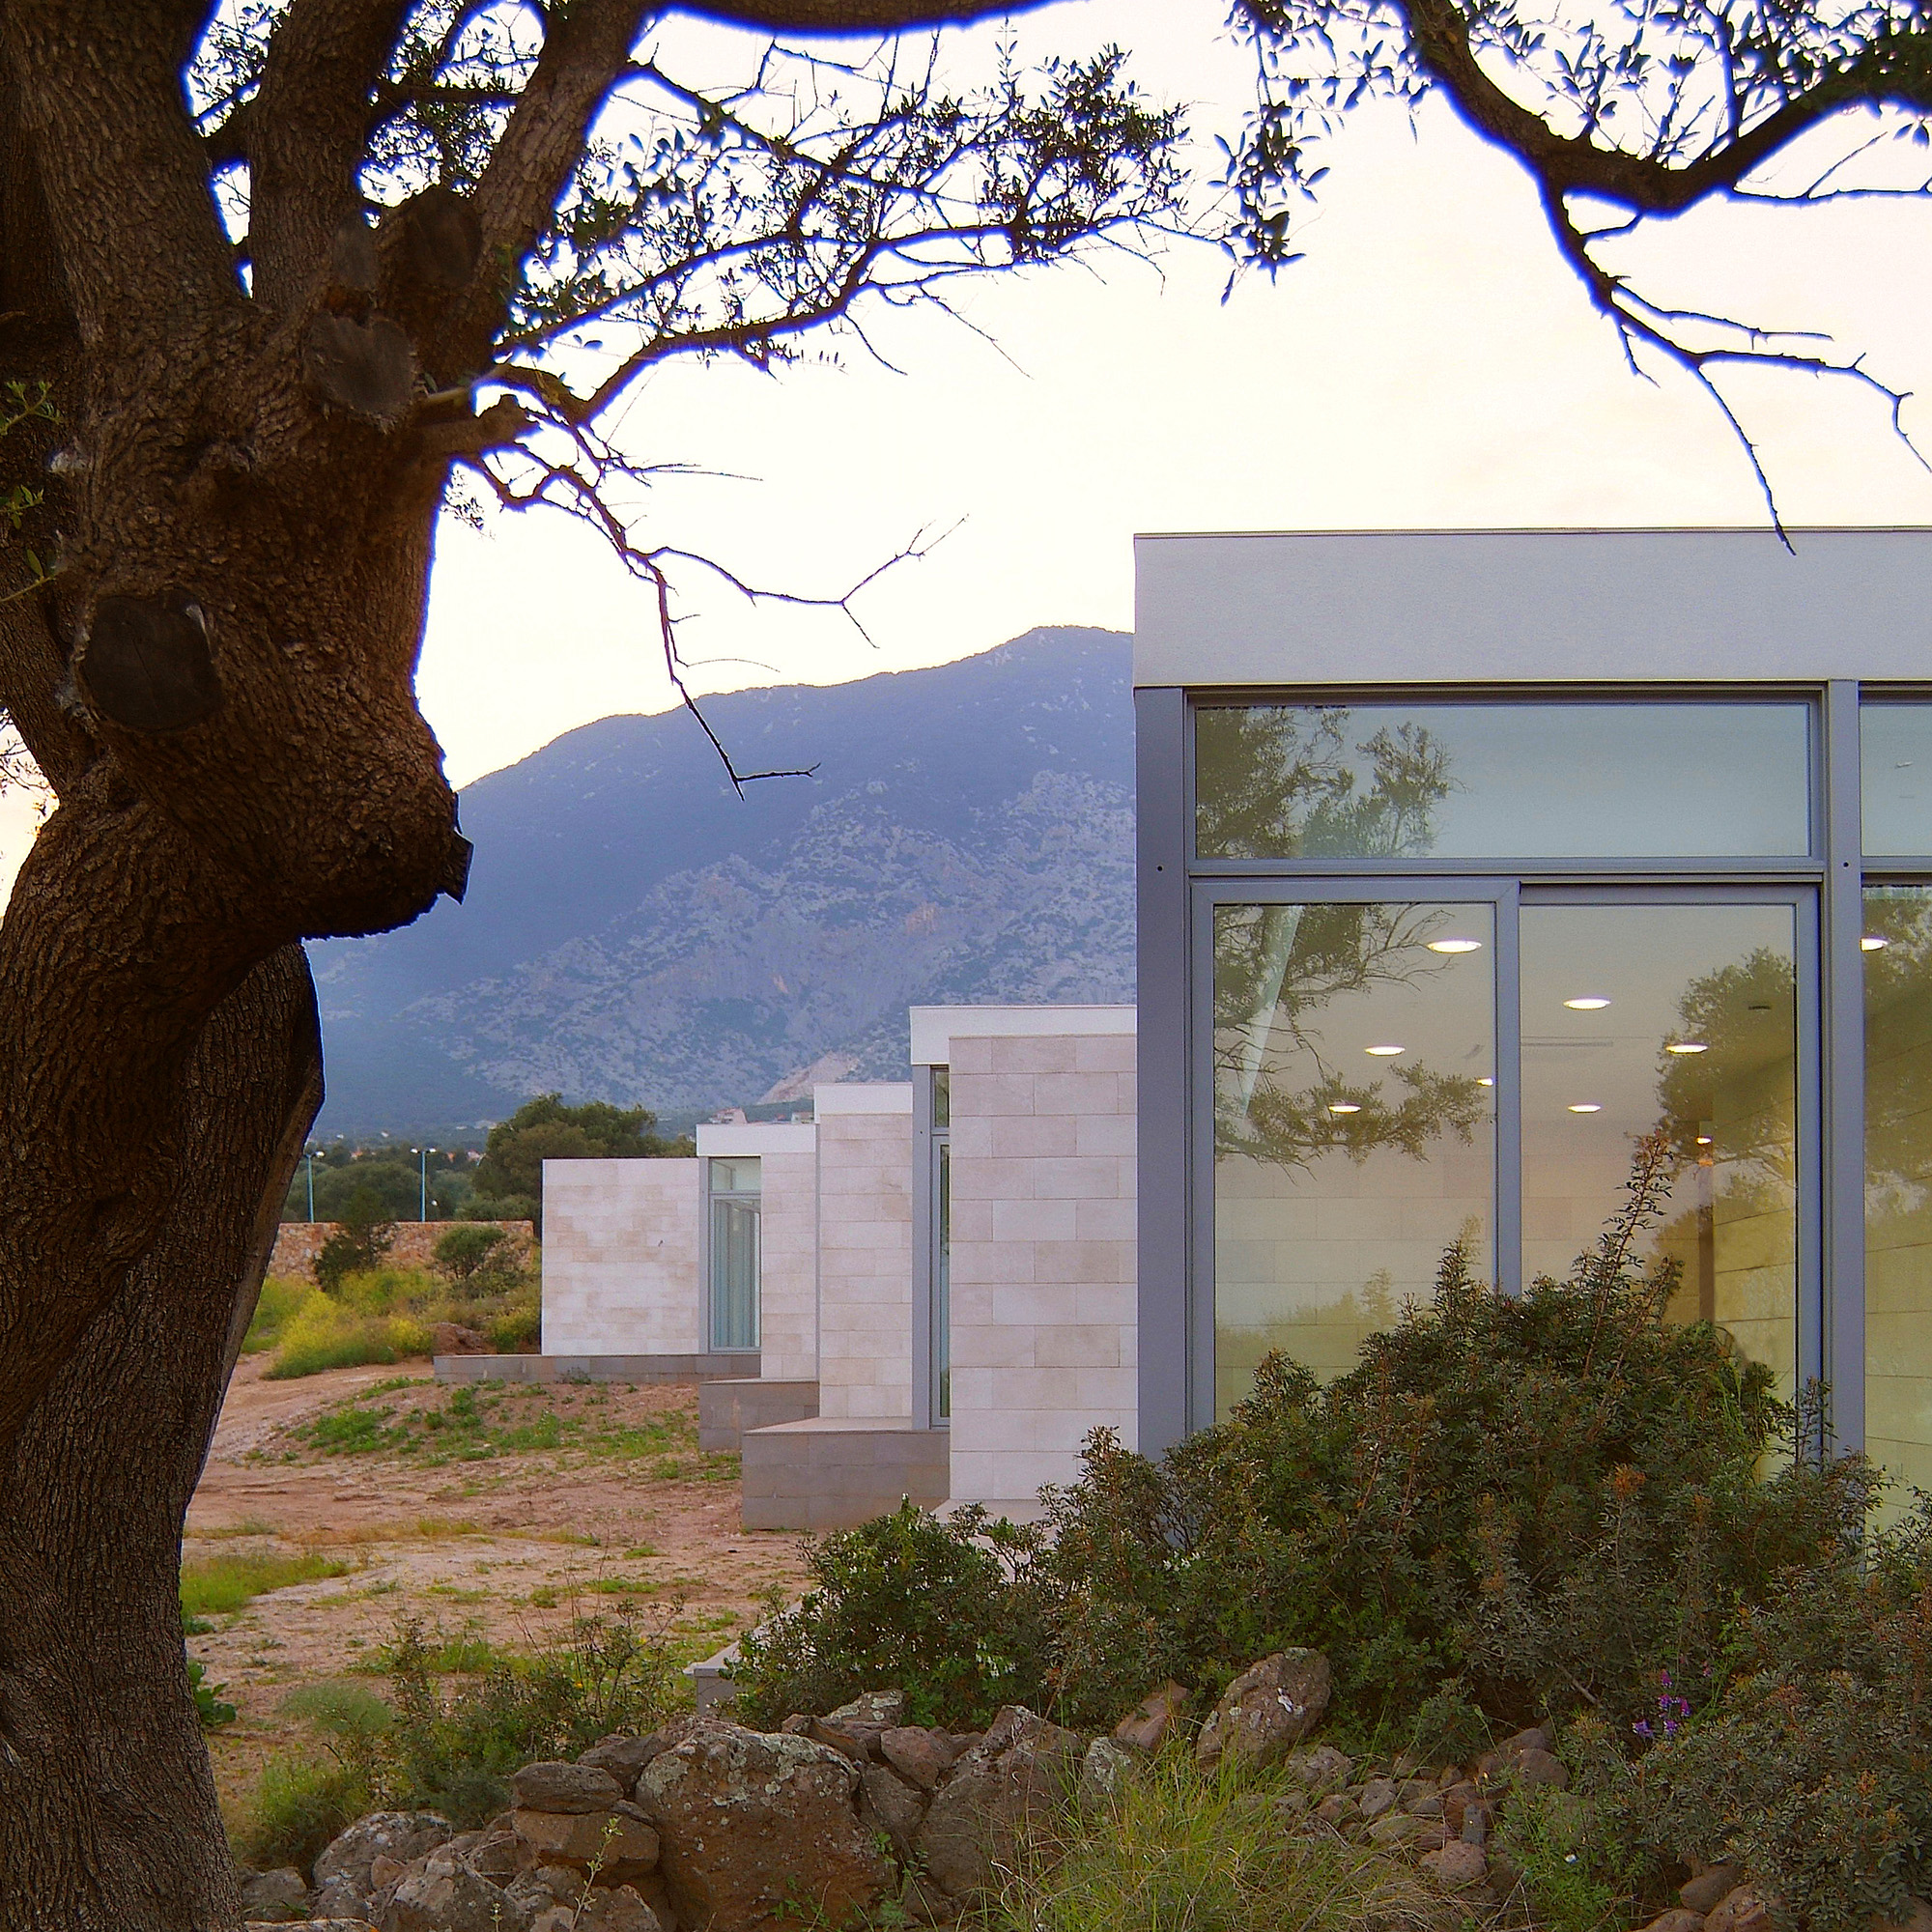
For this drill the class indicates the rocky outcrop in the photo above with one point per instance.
(1267, 1710)
(1022, 1769)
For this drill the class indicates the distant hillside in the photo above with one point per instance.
(635, 932)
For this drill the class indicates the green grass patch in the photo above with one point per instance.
(299, 1804)
(479, 1421)
(221, 1585)
(340, 1710)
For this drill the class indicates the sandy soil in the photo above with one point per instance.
(499, 1514)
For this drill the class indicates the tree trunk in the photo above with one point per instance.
(107, 1812)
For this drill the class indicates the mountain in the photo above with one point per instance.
(636, 932)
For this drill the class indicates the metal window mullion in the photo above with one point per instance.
(1506, 1240)
(1841, 1316)
(924, 1405)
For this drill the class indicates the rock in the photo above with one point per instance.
(921, 1756)
(441, 1894)
(891, 1804)
(873, 1712)
(1456, 1799)
(753, 1826)
(1457, 1866)
(1920, 1920)
(402, 1836)
(624, 1756)
(797, 1725)
(1339, 1809)
(1022, 1768)
(1398, 1828)
(1539, 1767)
(497, 1855)
(540, 1887)
(925, 1904)
(1150, 1723)
(1104, 1770)
(1267, 1710)
(602, 1909)
(845, 1739)
(1378, 1796)
(1677, 1919)
(341, 1922)
(612, 1840)
(1745, 1910)
(1322, 1766)
(275, 1897)
(564, 1788)
(1709, 1888)
(339, 1900)
(451, 1338)
(1536, 1737)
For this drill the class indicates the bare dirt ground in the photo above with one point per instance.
(495, 1514)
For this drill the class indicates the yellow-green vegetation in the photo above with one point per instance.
(1179, 1852)
(221, 1585)
(386, 1314)
(474, 1423)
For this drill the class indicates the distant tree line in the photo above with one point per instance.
(365, 1187)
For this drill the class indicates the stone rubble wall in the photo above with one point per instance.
(298, 1243)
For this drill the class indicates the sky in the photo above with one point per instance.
(1430, 363)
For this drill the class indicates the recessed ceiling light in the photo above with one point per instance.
(1385, 1052)
(1483, 1080)
(1586, 1107)
(1872, 943)
(1455, 946)
(1687, 1046)
(1343, 1107)
(1590, 1003)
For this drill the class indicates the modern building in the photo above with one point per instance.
(1468, 860)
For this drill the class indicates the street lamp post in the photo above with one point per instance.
(308, 1161)
(422, 1181)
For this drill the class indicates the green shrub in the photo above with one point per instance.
(1539, 1502)
(1809, 1762)
(277, 1303)
(942, 1610)
(454, 1755)
(221, 1585)
(327, 1332)
(300, 1803)
(518, 1330)
(501, 1208)
(207, 1704)
(1179, 1852)
(471, 1250)
(362, 1237)
(347, 1711)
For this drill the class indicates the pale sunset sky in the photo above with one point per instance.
(1430, 363)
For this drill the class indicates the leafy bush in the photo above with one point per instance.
(1541, 1503)
(277, 1303)
(326, 1332)
(207, 1704)
(299, 1804)
(1810, 1765)
(362, 1237)
(1179, 1852)
(518, 1330)
(221, 1585)
(468, 1250)
(939, 1610)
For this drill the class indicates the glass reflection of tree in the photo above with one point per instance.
(1898, 1053)
(1284, 780)
(1727, 1112)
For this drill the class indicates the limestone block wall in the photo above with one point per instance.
(865, 1250)
(788, 1155)
(1043, 1257)
(620, 1257)
(298, 1243)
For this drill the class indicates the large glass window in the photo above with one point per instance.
(1895, 777)
(1554, 781)
(1680, 1019)
(1353, 1067)
(1898, 946)
(734, 1186)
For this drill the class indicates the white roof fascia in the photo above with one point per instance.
(1461, 607)
(934, 1029)
(863, 1097)
(740, 1139)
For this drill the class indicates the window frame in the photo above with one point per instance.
(1179, 890)
(740, 1195)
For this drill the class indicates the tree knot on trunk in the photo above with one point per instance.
(146, 663)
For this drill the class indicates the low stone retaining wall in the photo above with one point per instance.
(833, 1472)
(298, 1243)
(640, 1369)
(726, 1409)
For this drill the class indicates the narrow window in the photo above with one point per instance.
(734, 1252)
(941, 1243)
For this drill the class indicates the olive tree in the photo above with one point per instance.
(279, 281)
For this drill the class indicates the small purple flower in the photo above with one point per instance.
(1641, 1727)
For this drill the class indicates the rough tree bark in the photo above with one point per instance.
(241, 487)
